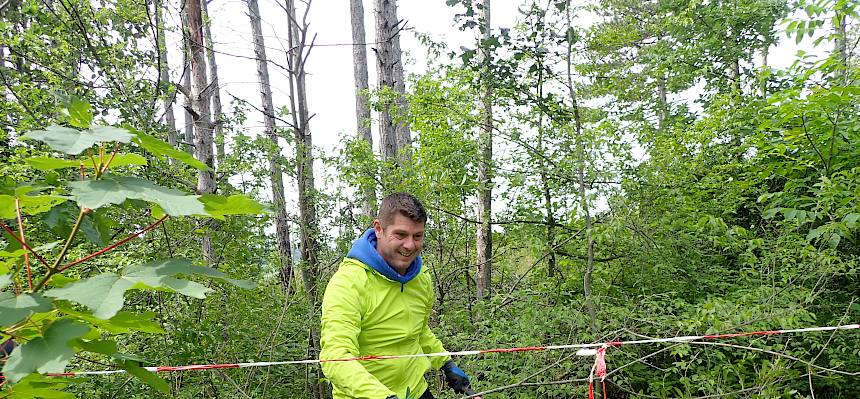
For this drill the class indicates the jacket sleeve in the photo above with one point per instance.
(341, 324)
(429, 342)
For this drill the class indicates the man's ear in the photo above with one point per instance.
(377, 227)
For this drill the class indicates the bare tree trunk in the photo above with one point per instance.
(362, 106)
(200, 111)
(188, 136)
(394, 133)
(214, 85)
(484, 239)
(590, 306)
(282, 228)
(308, 224)
(164, 78)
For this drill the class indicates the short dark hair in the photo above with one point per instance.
(404, 204)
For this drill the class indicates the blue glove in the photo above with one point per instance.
(456, 377)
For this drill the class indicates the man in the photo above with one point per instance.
(378, 303)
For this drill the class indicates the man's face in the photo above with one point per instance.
(400, 242)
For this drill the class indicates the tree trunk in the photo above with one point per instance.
(395, 139)
(282, 228)
(484, 239)
(215, 86)
(590, 306)
(362, 106)
(200, 111)
(298, 48)
(188, 135)
(164, 78)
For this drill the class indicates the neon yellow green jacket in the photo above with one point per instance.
(365, 313)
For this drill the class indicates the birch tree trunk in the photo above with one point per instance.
(362, 106)
(200, 110)
(282, 228)
(395, 139)
(484, 239)
(590, 307)
(298, 49)
(164, 77)
(214, 84)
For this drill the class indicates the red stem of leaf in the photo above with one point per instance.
(112, 246)
(23, 239)
(24, 244)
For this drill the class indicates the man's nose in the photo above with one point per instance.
(409, 243)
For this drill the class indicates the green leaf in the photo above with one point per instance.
(5, 280)
(38, 386)
(30, 204)
(104, 294)
(146, 376)
(851, 219)
(124, 322)
(219, 206)
(160, 148)
(128, 159)
(48, 163)
(73, 142)
(79, 111)
(47, 354)
(103, 346)
(14, 308)
(95, 194)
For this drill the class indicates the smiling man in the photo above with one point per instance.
(378, 303)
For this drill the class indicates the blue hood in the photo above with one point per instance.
(364, 251)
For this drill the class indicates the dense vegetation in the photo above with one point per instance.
(653, 177)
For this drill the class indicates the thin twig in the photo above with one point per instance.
(114, 245)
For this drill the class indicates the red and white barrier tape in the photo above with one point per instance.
(597, 349)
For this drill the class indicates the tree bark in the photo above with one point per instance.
(214, 85)
(308, 224)
(395, 139)
(362, 106)
(484, 239)
(164, 78)
(188, 135)
(282, 228)
(200, 111)
(590, 306)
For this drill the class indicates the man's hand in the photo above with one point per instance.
(456, 378)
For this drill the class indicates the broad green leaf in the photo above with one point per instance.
(103, 346)
(48, 163)
(160, 148)
(47, 354)
(851, 219)
(95, 194)
(127, 159)
(79, 111)
(219, 206)
(104, 294)
(30, 204)
(36, 386)
(5, 280)
(124, 322)
(14, 308)
(73, 142)
(146, 376)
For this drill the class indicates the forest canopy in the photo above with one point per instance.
(594, 171)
